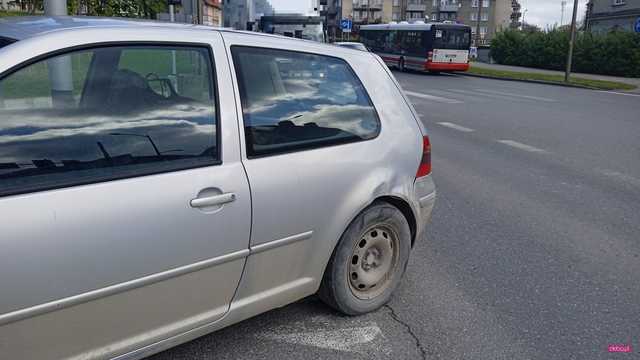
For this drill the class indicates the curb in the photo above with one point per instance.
(531, 81)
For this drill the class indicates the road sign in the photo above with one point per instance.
(346, 25)
(638, 25)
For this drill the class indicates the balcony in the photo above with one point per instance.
(417, 7)
(449, 7)
(367, 4)
(214, 3)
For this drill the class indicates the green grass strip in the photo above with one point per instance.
(557, 79)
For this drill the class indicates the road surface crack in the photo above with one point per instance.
(395, 317)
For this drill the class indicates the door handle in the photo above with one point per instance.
(210, 201)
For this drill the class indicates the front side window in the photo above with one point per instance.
(106, 113)
(294, 101)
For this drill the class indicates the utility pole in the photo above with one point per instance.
(55, 7)
(59, 67)
(563, 4)
(572, 40)
(478, 23)
(173, 78)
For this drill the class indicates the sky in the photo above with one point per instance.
(544, 13)
(295, 6)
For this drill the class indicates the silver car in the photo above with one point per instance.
(159, 182)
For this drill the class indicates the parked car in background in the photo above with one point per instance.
(352, 45)
(162, 181)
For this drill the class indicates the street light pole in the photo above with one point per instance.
(59, 67)
(572, 40)
(55, 7)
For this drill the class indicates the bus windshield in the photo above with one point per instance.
(453, 39)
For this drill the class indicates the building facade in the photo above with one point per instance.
(205, 12)
(212, 12)
(494, 15)
(609, 15)
(367, 11)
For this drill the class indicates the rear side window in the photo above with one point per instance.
(106, 113)
(296, 101)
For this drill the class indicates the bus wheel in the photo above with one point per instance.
(401, 65)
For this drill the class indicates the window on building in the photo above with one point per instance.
(485, 3)
(295, 101)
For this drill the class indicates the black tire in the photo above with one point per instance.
(338, 288)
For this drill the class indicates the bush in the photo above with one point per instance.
(615, 53)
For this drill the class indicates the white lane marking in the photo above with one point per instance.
(348, 339)
(522, 146)
(619, 93)
(480, 95)
(621, 176)
(516, 95)
(456, 127)
(433, 98)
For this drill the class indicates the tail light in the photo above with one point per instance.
(425, 163)
(430, 56)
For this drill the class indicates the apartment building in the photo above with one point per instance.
(494, 15)
(608, 15)
(366, 11)
(212, 12)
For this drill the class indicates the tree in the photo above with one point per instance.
(29, 6)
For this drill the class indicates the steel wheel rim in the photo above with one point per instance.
(373, 262)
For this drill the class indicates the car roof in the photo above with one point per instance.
(23, 27)
(26, 27)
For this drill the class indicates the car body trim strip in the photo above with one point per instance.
(281, 242)
(424, 201)
(118, 288)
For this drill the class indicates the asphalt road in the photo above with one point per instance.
(534, 247)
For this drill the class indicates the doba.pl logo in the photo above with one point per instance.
(619, 348)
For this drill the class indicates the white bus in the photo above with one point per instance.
(432, 47)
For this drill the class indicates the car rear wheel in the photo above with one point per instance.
(368, 262)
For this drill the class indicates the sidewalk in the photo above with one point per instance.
(632, 81)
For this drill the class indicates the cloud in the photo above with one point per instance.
(547, 13)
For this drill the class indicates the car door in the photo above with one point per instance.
(123, 220)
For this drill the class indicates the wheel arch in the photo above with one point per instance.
(406, 210)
